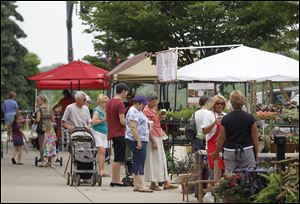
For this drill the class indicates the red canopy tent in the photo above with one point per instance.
(67, 84)
(73, 75)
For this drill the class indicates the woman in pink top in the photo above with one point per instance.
(156, 163)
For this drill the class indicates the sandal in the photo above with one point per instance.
(168, 187)
(135, 189)
(105, 175)
(146, 190)
(155, 188)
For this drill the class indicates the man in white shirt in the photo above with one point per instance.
(200, 118)
(77, 114)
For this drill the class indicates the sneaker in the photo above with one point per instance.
(13, 161)
(208, 198)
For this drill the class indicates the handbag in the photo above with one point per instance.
(39, 128)
(191, 129)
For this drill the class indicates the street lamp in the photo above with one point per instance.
(69, 29)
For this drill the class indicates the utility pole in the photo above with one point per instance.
(69, 29)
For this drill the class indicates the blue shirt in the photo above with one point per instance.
(142, 124)
(102, 127)
(10, 106)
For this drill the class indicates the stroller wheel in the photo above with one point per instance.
(36, 161)
(77, 180)
(61, 161)
(94, 179)
(99, 180)
(72, 179)
(68, 178)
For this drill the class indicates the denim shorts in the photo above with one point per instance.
(18, 142)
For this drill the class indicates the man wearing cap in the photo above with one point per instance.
(116, 131)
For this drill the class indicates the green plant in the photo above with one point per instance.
(293, 138)
(233, 186)
(184, 114)
(283, 187)
(269, 193)
(170, 161)
(290, 114)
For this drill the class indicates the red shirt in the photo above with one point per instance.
(64, 102)
(115, 107)
(153, 115)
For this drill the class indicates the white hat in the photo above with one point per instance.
(89, 100)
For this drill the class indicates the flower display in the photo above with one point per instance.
(290, 114)
(267, 115)
(234, 186)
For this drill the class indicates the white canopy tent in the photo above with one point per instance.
(240, 65)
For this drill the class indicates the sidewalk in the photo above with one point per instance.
(28, 183)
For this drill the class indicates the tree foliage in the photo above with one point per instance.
(13, 72)
(31, 63)
(125, 27)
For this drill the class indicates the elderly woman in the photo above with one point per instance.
(238, 136)
(156, 164)
(99, 130)
(137, 135)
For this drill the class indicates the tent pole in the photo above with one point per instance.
(71, 88)
(35, 103)
(175, 100)
(253, 101)
(167, 94)
(160, 92)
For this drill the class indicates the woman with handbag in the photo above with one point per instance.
(44, 115)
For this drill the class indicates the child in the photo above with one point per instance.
(18, 136)
(57, 111)
(49, 144)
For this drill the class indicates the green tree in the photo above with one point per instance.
(12, 54)
(97, 61)
(125, 27)
(31, 63)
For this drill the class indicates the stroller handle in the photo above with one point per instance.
(79, 129)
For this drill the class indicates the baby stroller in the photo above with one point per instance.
(83, 158)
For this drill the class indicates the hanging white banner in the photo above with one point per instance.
(166, 66)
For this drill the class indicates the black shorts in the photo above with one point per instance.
(119, 146)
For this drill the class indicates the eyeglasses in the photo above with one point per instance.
(220, 104)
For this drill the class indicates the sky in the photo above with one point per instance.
(45, 26)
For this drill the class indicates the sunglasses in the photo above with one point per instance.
(220, 104)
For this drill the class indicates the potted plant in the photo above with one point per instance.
(232, 189)
(283, 187)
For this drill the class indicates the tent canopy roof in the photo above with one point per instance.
(73, 70)
(91, 84)
(75, 75)
(241, 64)
(138, 68)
